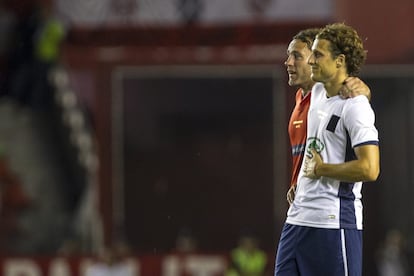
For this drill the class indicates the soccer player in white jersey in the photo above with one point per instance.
(299, 72)
(323, 230)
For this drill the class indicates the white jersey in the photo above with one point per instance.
(335, 127)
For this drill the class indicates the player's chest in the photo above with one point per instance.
(326, 117)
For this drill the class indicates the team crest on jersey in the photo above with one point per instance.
(314, 143)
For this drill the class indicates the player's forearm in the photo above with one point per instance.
(352, 171)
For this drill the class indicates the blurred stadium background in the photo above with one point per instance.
(135, 121)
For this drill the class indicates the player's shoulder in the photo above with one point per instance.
(357, 105)
(359, 101)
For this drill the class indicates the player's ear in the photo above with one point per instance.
(340, 60)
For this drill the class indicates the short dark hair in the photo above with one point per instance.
(307, 36)
(345, 40)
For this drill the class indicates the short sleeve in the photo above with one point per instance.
(359, 120)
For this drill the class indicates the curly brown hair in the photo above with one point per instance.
(345, 40)
(307, 36)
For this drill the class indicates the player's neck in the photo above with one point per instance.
(334, 86)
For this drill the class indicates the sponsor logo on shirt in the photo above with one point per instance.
(314, 143)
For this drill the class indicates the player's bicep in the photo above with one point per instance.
(369, 159)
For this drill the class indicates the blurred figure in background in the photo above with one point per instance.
(247, 259)
(34, 49)
(391, 259)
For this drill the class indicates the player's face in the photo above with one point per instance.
(323, 66)
(297, 65)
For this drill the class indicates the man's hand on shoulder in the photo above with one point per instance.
(354, 86)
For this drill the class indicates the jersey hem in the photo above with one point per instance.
(325, 226)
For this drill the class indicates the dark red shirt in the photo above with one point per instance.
(297, 132)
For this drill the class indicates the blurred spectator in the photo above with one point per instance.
(247, 259)
(34, 49)
(391, 259)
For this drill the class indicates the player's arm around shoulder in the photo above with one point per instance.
(354, 86)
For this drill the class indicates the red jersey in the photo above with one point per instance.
(297, 132)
